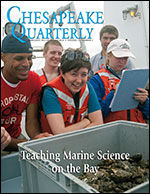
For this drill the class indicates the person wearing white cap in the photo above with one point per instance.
(106, 35)
(105, 81)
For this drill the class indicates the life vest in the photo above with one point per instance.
(130, 115)
(102, 66)
(41, 73)
(69, 110)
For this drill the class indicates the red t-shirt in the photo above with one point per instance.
(15, 99)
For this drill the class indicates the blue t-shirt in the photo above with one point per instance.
(51, 104)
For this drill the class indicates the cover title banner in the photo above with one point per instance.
(69, 17)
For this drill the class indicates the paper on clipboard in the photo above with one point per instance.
(131, 80)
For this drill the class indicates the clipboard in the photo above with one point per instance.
(131, 80)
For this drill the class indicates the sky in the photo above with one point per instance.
(92, 46)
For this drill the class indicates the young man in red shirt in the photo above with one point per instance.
(20, 90)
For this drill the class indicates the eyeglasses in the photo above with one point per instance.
(77, 55)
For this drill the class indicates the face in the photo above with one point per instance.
(117, 64)
(75, 80)
(53, 55)
(106, 39)
(16, 66)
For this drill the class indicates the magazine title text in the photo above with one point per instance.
(39, 18)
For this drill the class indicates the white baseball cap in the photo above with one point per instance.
(120, 48)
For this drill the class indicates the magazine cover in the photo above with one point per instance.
(61, 64)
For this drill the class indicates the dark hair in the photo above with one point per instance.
(80, 60)
(109, 29)
(51, 42)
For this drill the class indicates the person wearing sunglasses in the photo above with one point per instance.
(69, 102)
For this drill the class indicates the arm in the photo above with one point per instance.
(95, 118)
(98, 86)
(32, 128)
(5, 138)
(142, 97)
(94, 108)
(12, 146)
(59, 127)
(32, 124)
(52, 109)
(145, 108)
(53, 112)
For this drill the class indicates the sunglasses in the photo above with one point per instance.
(77, 55)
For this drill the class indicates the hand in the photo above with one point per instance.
(41, 135)
(5, 138)
(87, 121)
(141, 96)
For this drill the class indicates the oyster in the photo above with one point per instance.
(118, 176)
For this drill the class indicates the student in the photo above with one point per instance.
(69, 102)
(105, 81)
(107, 34)
(52, 53)
(20, 90)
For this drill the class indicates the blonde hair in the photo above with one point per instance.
(107, 58)
(51, 42)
